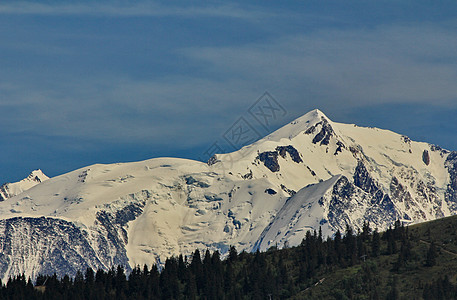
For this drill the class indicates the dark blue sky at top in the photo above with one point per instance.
(89, 82)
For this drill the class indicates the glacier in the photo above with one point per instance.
(312, 173)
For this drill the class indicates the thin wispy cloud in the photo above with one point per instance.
(339, 68)
(122, 109)
(141, 75)
(141, 9)
(402, 64)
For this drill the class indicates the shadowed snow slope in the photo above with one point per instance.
(310, 173)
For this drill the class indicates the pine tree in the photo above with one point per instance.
(196, 268)
(233, 254)
(431, 255)
(182, 268)
(337, 245)
(389, 236)
(169, 281)
(403, 256)
(366, 231)
(375, 243)
(154, 281)
(89, 277)
(350, 245)
(319, 238)
(218, 274)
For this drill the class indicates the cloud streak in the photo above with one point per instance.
(331, 70)
(186, 73)
(124, 110)
(406, 64)
(139, 9)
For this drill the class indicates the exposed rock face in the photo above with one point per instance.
(349, 200)
(341, 203)
(335, 203)
(437, 148)
(270, 159)
(451, 191)
(212, 160)
(192, 181)
(47, 245)
(112, 239)
(400, 193)
(247, 175)
(270, 191)
(340, 148)
(426, 157)
(287, 190)
(324, 134)
(4, 192)
(363, 180)
(282, 150)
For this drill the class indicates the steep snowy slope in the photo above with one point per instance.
(9, 190)
(312, 172)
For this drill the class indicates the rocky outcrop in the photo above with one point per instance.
(426, 157)
(401, 193)
(340, 147)
(349, 201)
(341, 203)
(287, 190)
(363, 180)
(451, 191)
(4, 192)
(47, 246)
(270, 191)
(324, 135)
(283, 150)
(270, 160)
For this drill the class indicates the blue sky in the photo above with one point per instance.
(86, 82)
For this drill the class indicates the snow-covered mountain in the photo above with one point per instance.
(9, 190)
(310, 173)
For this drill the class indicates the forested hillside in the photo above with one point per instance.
(417, 262)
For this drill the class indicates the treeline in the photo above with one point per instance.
(274, 274)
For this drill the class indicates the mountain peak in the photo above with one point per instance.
(317, 113)
(37, 176)
(9, 190)
(312, 117)
(299, 125)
